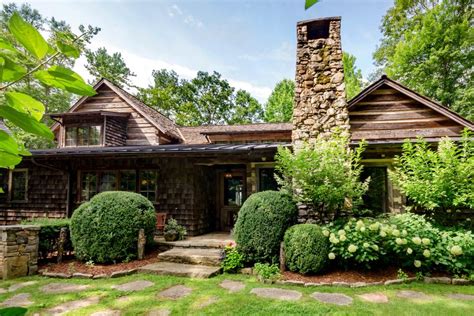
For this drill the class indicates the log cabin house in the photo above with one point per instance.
(201, 175)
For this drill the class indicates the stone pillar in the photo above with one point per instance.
(320, 100)
(18, 250)
(320, 105)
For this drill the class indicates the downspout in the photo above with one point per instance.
(69, 184)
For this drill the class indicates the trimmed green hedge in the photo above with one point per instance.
(105, 229)
(306, 248)
(49, 235)
(261, 224)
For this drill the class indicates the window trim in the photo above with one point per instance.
(265, 165)
(117, 181)
(77, 125)
(10, 186)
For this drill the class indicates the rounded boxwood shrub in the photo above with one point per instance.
(261, 224)
(105, 229)
(306, 248)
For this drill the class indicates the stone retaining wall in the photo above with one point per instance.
(18, 250)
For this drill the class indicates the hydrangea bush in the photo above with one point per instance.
(407, 240)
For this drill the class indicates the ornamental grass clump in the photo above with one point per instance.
(105, 229)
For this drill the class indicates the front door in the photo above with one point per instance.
(231, 196)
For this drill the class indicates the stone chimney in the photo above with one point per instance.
(320, 100)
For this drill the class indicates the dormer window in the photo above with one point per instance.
(84, 135)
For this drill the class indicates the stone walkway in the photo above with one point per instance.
(175, 292)
(22, 300)
(232, 286)
(73, 305)
(55, 288)
(374, 297)
(332, 298)
(276, 293)
(133, 286)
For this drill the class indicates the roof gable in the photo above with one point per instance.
(388, 111)
(114, 96)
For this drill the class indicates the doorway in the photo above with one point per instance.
(231, 196)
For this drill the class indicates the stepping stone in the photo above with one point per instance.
(22, 299)
(159, 312)
(107, 312)
(208, 301)
(204, 256)
(53, 288)
(374, 297)
(18, 286)
(175, 292)
(180, 269)
(332, 298)
(414, 295)
(232, 286)
(276, 293)
(133, 286)
(459, 296)
(73, 305)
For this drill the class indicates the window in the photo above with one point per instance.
(3, 185)
(128, 180)
(266, 179)
(148, 184)
(375, 199)
(93, 182)
(19, 183)
(88, 185)
(83, 136)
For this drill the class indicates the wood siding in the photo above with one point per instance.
(388, 115)
(115, 131)
(139, 130)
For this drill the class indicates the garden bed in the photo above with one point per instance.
(70, 266)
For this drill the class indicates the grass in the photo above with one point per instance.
(241, 303)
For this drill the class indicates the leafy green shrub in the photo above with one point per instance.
(306, 248)
(326, 173)
(49, 235)
(261, 224)
(439, 180)
(233, 260)
(173, 228)
(105, 229)
(267, 272)
(407, 240)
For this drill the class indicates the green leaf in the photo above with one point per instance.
(26, 104)
(25, 122)
(9, 71)
(65, 79)
(68, 50)
(310, 3)
(8, 160)
(8, 144)
(28, 36)
(5, 45)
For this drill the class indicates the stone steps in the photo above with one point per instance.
(202, 256)
(181, 269)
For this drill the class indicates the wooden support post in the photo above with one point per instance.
(61, 242)
(141, 243)
(282, 257)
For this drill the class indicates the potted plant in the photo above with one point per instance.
(173, 231)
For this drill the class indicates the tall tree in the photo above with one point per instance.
(352, 75)
(427, 45)
(246, 109)
(279, 107)
(206, 99)
(55, 100)
(101, 64)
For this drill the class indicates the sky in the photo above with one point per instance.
(252, 43)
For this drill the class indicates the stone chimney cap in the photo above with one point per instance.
(332, 18)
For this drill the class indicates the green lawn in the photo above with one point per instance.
(241, 303)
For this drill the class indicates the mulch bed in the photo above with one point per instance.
(352, 276)
(69, 266)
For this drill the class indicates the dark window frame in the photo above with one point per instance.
(11, 184)
(258, 169)
(76, 134)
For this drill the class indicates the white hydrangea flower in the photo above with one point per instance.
(331, 256)
(352, 248)
(409, 251)
(425, 241)
(375, 247)
(341, 232)
(383, 233)
(334, 240)
(362, 229)
(456, 250)
(416, 240)
(366, 245)
(417, 263)
(326, 233)
(399, 241)
(396, 232)
(426, 253)
(404, 233)
(342, 238)
(374, 226)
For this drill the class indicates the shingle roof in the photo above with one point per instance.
(197, 134)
